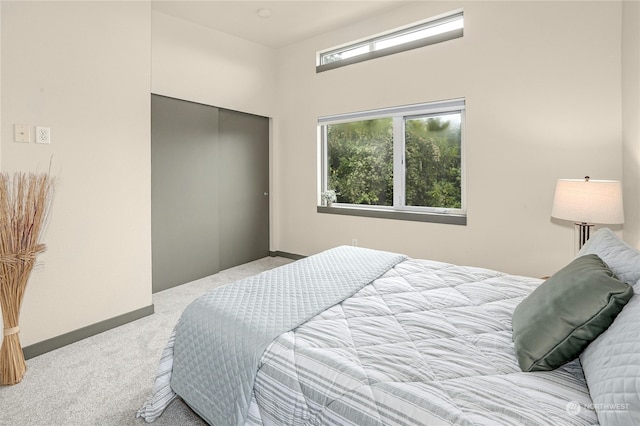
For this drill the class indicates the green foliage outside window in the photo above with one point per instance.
(433, 177)
(360, 161)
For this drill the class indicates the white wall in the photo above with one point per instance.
(199, 64)
(82, 69)
(0, 89)
(631, 120)
(542, 85)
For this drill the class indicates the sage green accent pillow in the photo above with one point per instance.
(554, 324)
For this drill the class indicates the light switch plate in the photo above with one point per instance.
(43, 134)
(21, 133)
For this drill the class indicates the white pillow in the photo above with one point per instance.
(621, 258)
(611, 363)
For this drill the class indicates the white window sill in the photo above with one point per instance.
(450, 219)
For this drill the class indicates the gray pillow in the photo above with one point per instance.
(611, 363)
(621, 258)
(554, 324)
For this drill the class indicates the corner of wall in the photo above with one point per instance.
(630, 88)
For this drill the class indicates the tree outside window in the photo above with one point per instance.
(360, 161)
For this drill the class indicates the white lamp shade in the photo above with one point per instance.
(588, 201)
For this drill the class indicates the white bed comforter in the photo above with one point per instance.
(427, 343)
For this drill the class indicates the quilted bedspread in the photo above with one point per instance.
(221, 336)
(427, 343)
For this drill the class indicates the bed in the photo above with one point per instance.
(365, 337)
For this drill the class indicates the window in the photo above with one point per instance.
(434, 30)
(404, 162)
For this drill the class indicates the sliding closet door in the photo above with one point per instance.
(243, 187)
(184, 191)
(209, 190)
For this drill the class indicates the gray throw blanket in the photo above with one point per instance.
(221, 336)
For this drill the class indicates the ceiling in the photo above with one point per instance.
(288, 21)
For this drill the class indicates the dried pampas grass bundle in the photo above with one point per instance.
(24, 205)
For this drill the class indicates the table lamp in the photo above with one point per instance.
(587, 202)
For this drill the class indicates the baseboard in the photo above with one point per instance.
(287, 255)
(84, 332)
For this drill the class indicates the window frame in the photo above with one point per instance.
(375, 52)
(399, 210)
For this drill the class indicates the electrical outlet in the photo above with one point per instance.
(354, 242)
(43, 135)
(21, 133)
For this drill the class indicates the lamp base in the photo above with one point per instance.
(584, 231)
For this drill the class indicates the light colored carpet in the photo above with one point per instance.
(104, 379)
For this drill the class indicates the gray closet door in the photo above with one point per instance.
(184, 193)
(243, 187)
(209, 190)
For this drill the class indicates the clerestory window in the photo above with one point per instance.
(431, 31)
